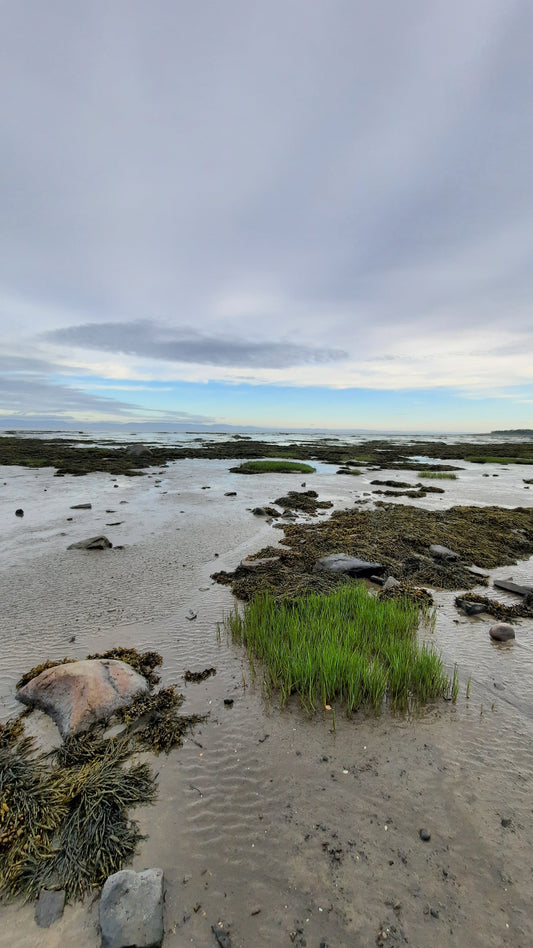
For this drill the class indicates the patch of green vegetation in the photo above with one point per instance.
(439, 475)
(345, 646)
(496, 459)
(273, 467)
(350, 470)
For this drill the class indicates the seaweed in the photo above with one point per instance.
(33, 672)
(307, 501)
(144, 663)
(498, 609)
(154, 722)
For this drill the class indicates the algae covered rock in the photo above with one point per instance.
(131, 909)
(78, 694)
(350, 565)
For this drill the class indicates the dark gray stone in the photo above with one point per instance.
(81, 507)
(502, 632)
(425, 835)
(93, 543)
(131, 909)
(351, 565)
(443, 553)
(49, 907)
(471, 608)
(259, 512)
(19, 512)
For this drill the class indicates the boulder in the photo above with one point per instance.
(390, 583)
(350, 565)
(502, 632)
(131, 909)
(443, 553)
(78, 694)
(93, 543)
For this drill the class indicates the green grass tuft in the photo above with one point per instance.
(273, 467)
(438, 475)
(345, 646)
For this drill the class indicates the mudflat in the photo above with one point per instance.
(275, 827)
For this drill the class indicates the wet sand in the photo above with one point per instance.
(280, 828)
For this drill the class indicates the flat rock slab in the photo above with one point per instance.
(49, 907)
(443, 553)
(509, 586)
(93, 543)
(502, 632)
(80, 693)
(131, 909)
(341, 563)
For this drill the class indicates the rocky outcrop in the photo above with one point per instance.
(131, 909)
(351, 565)
(78, 694)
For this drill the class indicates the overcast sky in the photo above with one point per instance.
(291, 212)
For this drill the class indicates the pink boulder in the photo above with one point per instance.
(79, 694)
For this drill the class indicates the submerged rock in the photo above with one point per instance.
(351, 565)
(78, 694)
(131, 909)
(502, 632)
(93, 543)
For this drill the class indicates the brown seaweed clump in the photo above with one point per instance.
(154, 723)
(522, 610)
(144, 663)
(399, 537)
(306, 501)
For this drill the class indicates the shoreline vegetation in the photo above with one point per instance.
(346, 645)
(68, 456)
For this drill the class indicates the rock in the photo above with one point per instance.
(137, 450)
(230, 493)
(425, 835)
(78, 694)
(289, 515)
(93, 543)
(131, 909)
(509, 586)
(443, 553)
(191, 615)
(341, 563)
(502, 632)
(222, 936)
(19, 512)
(471, 608)
(228, 702)
(390, 583)
(49, 907)
(259, 512)
(81, 507)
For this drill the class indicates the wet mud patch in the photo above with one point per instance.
(398, 537)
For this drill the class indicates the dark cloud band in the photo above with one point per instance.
(145, 339)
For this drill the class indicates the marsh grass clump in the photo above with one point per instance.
(439, 475)
(273, 467)
(345, 646)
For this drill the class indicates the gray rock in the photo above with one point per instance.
(78, 694)
(443, 553)
(136, 450)
(259, 512)
(351, 565)
(131, 909)
(49, 907)
(19, 512)
(471, 608)
(81, 507)
(502, 632)
(248, 563)
(93, 543)
(390, 583)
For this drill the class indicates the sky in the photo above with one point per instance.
(293, 213)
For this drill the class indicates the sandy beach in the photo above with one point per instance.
(271, 826)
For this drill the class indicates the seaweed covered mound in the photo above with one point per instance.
(398, 537)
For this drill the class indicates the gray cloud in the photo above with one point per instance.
(149, 340)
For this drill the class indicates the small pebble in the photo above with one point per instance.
(19, 512)
(425, 835)
(228, 702)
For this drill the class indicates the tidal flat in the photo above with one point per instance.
(274, 825)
